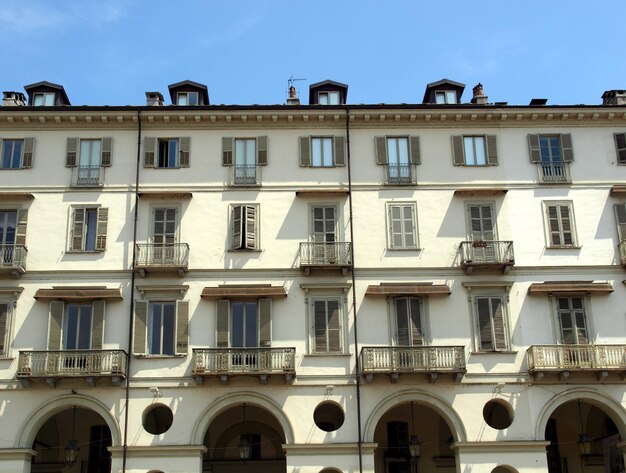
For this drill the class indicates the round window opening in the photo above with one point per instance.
(498, 414)
(157, 419)
(328, 416)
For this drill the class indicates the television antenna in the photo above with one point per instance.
(291, 83)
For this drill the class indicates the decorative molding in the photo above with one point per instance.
(408, 289)
(505, 446)
(159, 451)
(328, 448)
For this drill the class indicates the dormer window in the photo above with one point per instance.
(445, 97)
(187, 98)
(328, 98)
(44, 99)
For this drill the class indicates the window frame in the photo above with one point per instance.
(243, 246)
(65, 323)
(100, 227)
(150, 326)
(328, 94)
(546, 204)
(620, 150)
(44, 96)
(189, 94)
(478, 342)
(485, 156)
(322, 139)
(165, 206)
(231, 322)
(445, 94)
(403, 246)
(157, 161)
(553, 301)
(393, 320)
(468, 219)
(21, 156)
(7, 337)
(310, 301)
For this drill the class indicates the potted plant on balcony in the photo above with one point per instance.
(479, 244)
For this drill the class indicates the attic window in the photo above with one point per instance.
(40, 100)
(328, 98)
(187, 98)
(445, 97)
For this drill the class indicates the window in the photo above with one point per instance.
(167, 153)
(16, 154)
(327, 325)
(161, 326)
(478, 150)
(244, 324)
(491, 323)
(244, 227)
(620, 145)
(88, 228)
(481, 223)
(12, 236)
(327, 151)
(328, 98)
(408, 321)
(86, 157)
(249, 154)
(445, 97)
(187, 98)
(552, 154)
(572, 320)
(560, 225)
(398, 154)
(40, 100)
(322, 151)
(402, 226)
(620, 217)
(76, 326)
(5, 324)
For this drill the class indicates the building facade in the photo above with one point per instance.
(313, 288)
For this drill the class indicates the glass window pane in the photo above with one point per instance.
(169, 324)
(479, 149)
(154, 330)
(450, 97)
(90, 234)
(333, 98)
(6, 153)
(182, 99)
(38, 100)
(71, 327)
(251, 325)
(316, 148)
(84, 336)
(173, 154)
(237, 326)
(17, 153)
(49, 99)
(193, 98)
(468, 145)
(322, 98)
(328, 152)
(403, 150)
(392, 150)
(440, 97)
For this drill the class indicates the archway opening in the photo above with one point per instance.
(583, 438)
(413, 437)
(82, 430)
(244, 438)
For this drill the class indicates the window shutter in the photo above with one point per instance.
(581, 327)
(71, 152)
(566, 147)
(56, 322)
(620, 144)
(20, 232)
(261, 150)
(417, 335)
(334, 327)
(402, 328)
(227, 151)
(492, 150)
(305, 151)
(185, 148)
(339, 150)
(484, 324)
(223, 309)
(498, 324)
(4, 314)
(107, 147)
(553, 224)
(414, 151)
(251, 227)
(265, 322)
(458, 153)
(395, 226)
(533, 146)
(381, 150)
(149, 150)
(78, 223)
(620, 217)
(101, 229)
(97, 325)
(566, 225)
(319, 325)
(237, 227)
(141, 322)
(182, 327)
(29, 149)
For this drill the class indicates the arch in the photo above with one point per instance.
(421, 397)
(229, 400)
(31, 427)
(235, 429)
(603, 402)
(504, 469)
(330, 469)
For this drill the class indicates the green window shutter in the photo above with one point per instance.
(185, 147)
(78, 224)
(227, 151)
(620, 145)
(71, 154)
(223, 310)
(499, 332)
(29, 149)
(107, 147)
(261, 150)
(533, 146)
(251, 227)
(237, 226)
(182, 327)
(417, 335)
(380, 143)
(339, 150)
(97, 325)
(141, 322)
(101, 229)
(305, 151)
(414, 150)
(620, 217)
(566, 147)
(4, 314)
(265, 322)
(485, 333)
(56, 322)
(458, 152)
(20, 232)
(492, 150)
(149, 151)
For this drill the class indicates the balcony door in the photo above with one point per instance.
(164, 235)
(244, 333)
(398, 161)
(89, 162)
(324, 235)
(8, 225)
(482, 232)
(408, 333)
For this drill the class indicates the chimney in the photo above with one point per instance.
(13, 99)
(479, 96)
(614, 97)
(292, 100)
(154, 99)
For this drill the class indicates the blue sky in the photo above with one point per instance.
(109, 52)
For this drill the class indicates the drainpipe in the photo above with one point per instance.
(131, 325)
(356, 337)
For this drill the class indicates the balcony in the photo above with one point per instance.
(13, 259)
(563, 359)
(87, 176)
(245, 174)
(399, 174)
(165, 258)
(226, 362)
(554, 173)
(431, 361)
(61, 364)
(337, 254)
(622, 252)
(486, 254)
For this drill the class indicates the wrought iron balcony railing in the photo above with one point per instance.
(245, 174)
(72, 363)
(576, 358)
(413, 359)
(13, 257)
(88, 176)
(337, 253)
(622, 251)
(169, 255)
(399, 174)
(487, 253)
(554, 172)
(237, 361)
